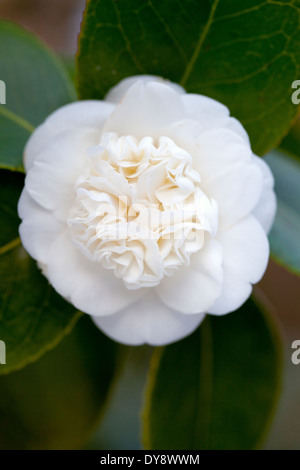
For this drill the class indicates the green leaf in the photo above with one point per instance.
(33, 318)
(217, 388)
(244, 54)
(291, 143)
(284, 236)
(11, 185)
(56, 402)
(36, 84)
(69, 63)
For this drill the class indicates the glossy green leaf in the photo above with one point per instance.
(217, 388)
(245, 54)
(36, 84)
(33, 318)
(285, 234)
(56, 402)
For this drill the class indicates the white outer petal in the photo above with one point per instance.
(148, 321)
(193, 289)
(86, 284)
(50, 181)
(265, 209)
(81, 114)
(116, 93)
(229, 174)
(38, 229)
(145, 108)
(245, 258)
(185, 134)
(212, 115)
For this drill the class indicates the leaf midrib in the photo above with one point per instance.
(16, 119)
(10, 246)
(202, 37)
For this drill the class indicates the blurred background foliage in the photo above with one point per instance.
(58, 23)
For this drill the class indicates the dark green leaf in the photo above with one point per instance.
(36, 84)
(55, 403)
(33, 318)
(244, 54)
(217, 388)
(11, 185)
(285, 234)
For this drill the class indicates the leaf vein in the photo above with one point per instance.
(127, 42)
(168, 31)
(240, 13)
(199, 44)
(16, 119)
(10, 246)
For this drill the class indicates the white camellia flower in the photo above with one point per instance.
(147, 210)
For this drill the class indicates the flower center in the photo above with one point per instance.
(139, 209)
